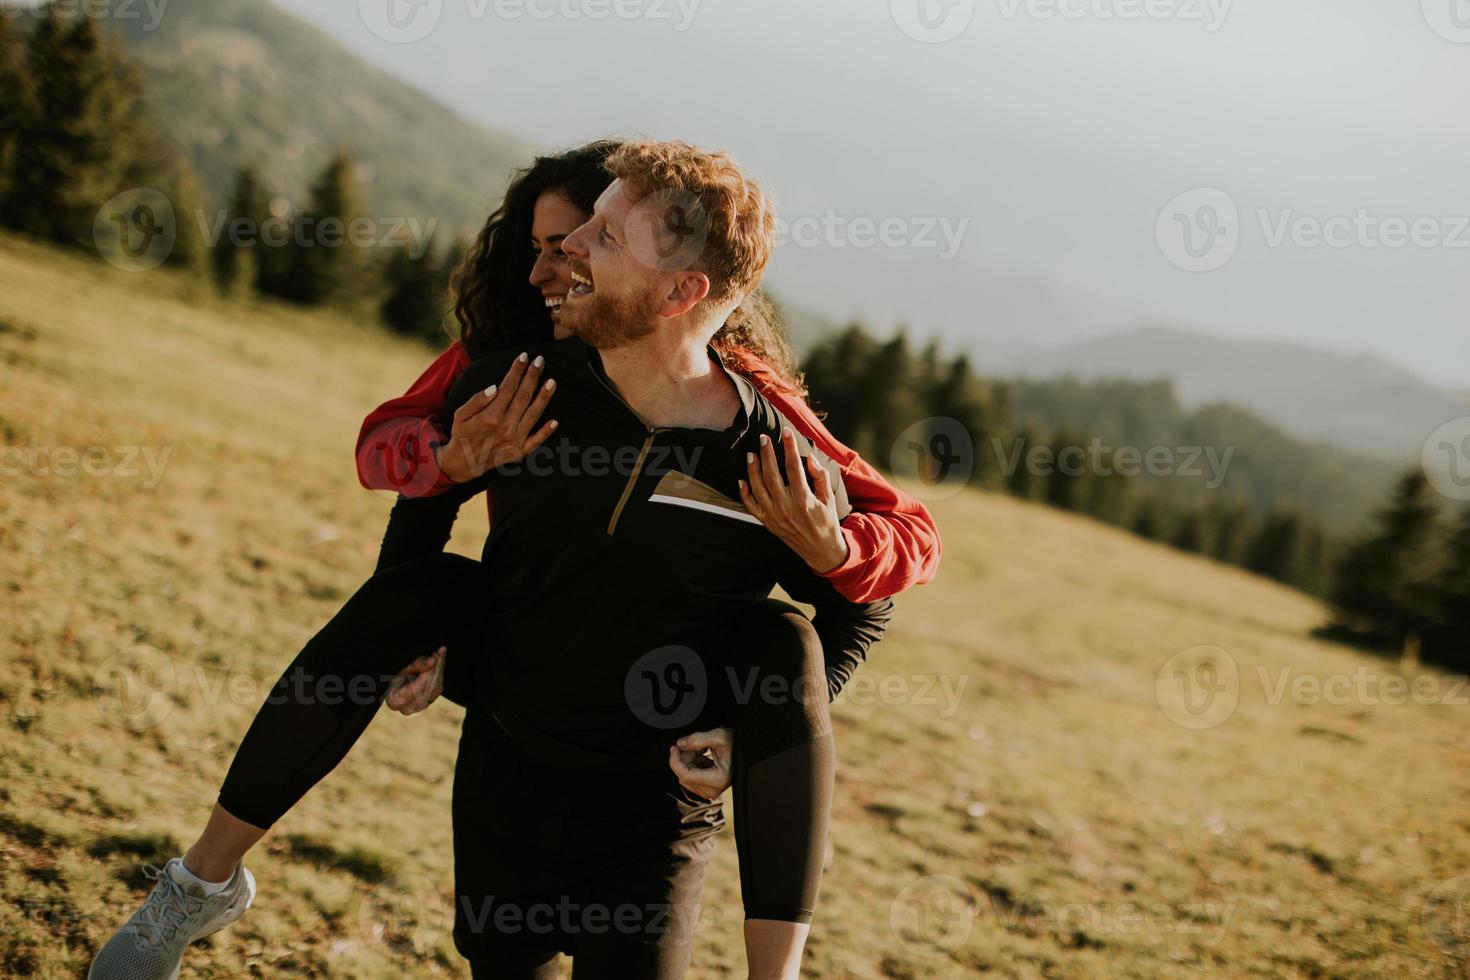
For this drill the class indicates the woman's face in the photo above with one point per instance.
(553, 219)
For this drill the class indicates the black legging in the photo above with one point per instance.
(783, 761)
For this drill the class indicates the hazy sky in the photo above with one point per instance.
(1019, 180)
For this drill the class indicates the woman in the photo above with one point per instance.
(292, 745)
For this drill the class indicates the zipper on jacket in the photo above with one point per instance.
(612, 524)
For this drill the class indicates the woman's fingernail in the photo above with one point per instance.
(523, 357)
(538, 361)
(765, 440)
(551, 385)
(749, 458)
(490, 391)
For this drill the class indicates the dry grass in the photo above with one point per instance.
(1052, 820)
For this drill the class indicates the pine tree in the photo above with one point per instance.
(191, 249)
(17, 103)
(327, 265)
(1194, 532)
(1108, 492)
(1233, 529)
(952, 391)
(1448, 640)
(1065, 485)
(1313, 570)
(1382, 585)
(84, 142)
(414, 305)
(834, 372)
(1153, 518)
(1275, 549)
(889, 387)
(1022, 480)
(238, 251)
(444, 265)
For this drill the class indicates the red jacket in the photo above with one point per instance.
(892, 541)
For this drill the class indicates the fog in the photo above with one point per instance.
(1048, 139)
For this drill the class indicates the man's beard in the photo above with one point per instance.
(609, 322)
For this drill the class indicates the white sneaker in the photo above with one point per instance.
(150, 945)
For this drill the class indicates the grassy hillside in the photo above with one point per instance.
(1049, 819)
(242, 81)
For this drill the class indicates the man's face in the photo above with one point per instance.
(617, 296)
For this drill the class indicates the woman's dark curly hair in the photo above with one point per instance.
(497, 306)
(494, 301)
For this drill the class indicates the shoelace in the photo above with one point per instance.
(167, 908)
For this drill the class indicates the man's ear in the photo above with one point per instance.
(686, 291)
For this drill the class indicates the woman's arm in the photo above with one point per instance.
(892, 541)
(403, 445)
(395, 447)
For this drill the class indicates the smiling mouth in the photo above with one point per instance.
(553, 303)
(581, 285)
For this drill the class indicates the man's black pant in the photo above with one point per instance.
(606, 868)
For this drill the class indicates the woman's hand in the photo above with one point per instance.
(494, 427)
(702, 762)
(802, 515)
(419, 684)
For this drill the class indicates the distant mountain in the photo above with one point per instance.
(241, 81)
(1356, 402)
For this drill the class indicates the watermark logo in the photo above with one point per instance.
(149, 11)
(1363, 686)
(1199, 687)
(939, 233)
(1208, 464)
(667, 688)
(136, 230)
(932, 21)
(1446, 458)
(135, 688)
(1363, 229)
(400, 21)
(404, 914)
(942, 691)
(1210, 13)
(407, 21)
(1199, 230)
(935, 912)
(1450, 19)
(940, 451)
(143, 463)
(667, 230)
(1445, 917)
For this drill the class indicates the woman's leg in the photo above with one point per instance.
(782, 772)
(311, 719)
(324, 701)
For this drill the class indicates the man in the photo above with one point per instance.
(619, 555)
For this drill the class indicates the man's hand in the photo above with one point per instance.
(494, 427)
(419, 684)
(702, 762)
(802, 515)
